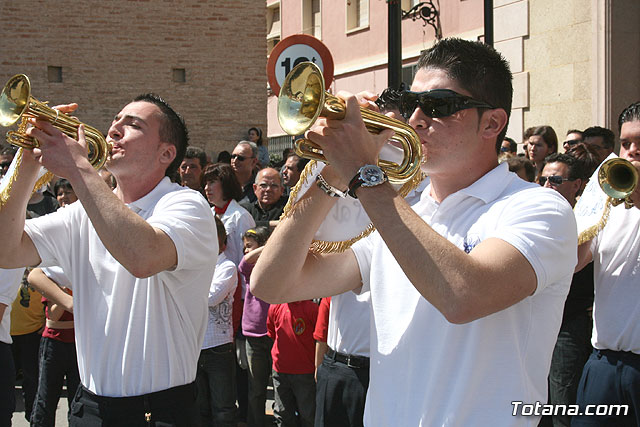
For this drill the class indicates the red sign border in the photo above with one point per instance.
(306, 39)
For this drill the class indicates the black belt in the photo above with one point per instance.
(182, 393)
(624, 356)
(351, 360)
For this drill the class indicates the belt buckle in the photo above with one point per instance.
(349, 362)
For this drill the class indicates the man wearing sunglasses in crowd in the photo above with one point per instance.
(602, 139)
(244, 159)
(564, 174)
(468, 283)
(574, 136)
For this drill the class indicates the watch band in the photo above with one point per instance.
(360, 181)
(354, 184)
(328, 188)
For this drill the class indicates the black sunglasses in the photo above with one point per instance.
(437, 103)
(571, 142)
(553, 180)
(239, 157)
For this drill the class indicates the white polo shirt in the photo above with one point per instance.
(135, 336)
(426, 371)
(348, 329)
(616, 256)
(10, 280)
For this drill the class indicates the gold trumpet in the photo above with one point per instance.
(303, 99)
(17, 104)
(618, 179)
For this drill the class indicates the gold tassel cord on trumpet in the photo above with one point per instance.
(591, 232)
(323, 246)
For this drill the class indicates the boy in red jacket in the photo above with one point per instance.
(291, 328)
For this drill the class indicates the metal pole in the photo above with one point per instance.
(395, 44)
(488, 22)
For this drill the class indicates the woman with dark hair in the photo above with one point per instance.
(223, 191)
(542, 142)
(255, 135)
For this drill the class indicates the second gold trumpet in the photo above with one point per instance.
(303, 99)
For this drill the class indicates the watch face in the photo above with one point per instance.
(371, 175)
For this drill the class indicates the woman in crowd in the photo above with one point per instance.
(255, 135)
(542, 142)
(223, 191)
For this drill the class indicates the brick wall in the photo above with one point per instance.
(111, 51)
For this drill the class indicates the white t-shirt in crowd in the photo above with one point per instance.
(426, 371)
(616, 256)
(135, 336)
(10, 280)
(348, 330)
(220, 325)
(237, 220)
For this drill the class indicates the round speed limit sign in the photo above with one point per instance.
(293, 50)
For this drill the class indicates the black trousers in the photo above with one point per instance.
(341, 391)
(7, 384)
(26, 349)
(172, 407)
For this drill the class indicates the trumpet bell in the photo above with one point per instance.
(301, 100)
(13, 99)
(618, 178)
(17, 106)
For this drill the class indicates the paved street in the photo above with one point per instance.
(18, 419)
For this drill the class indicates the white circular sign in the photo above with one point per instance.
(292, 56)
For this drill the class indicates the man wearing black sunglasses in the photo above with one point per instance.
(563, 173)
(243, 161)
(468, 283)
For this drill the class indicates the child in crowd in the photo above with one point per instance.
(254, 328)
(291, 327)
(58, 359)
(216, 374)
(64, 192)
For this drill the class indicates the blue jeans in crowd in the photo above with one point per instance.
(259, 359)
(569, 356)
(57, 361)
(216, 382)
(609, 378)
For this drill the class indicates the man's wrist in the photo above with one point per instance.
(369, 175)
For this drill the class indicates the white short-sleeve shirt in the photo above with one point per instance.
(237, 220)
(10, 280)
(348, 329)
(426, 371)
(616, 256)
(135, 336)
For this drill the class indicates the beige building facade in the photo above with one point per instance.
(206, 58)
(575, 63)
